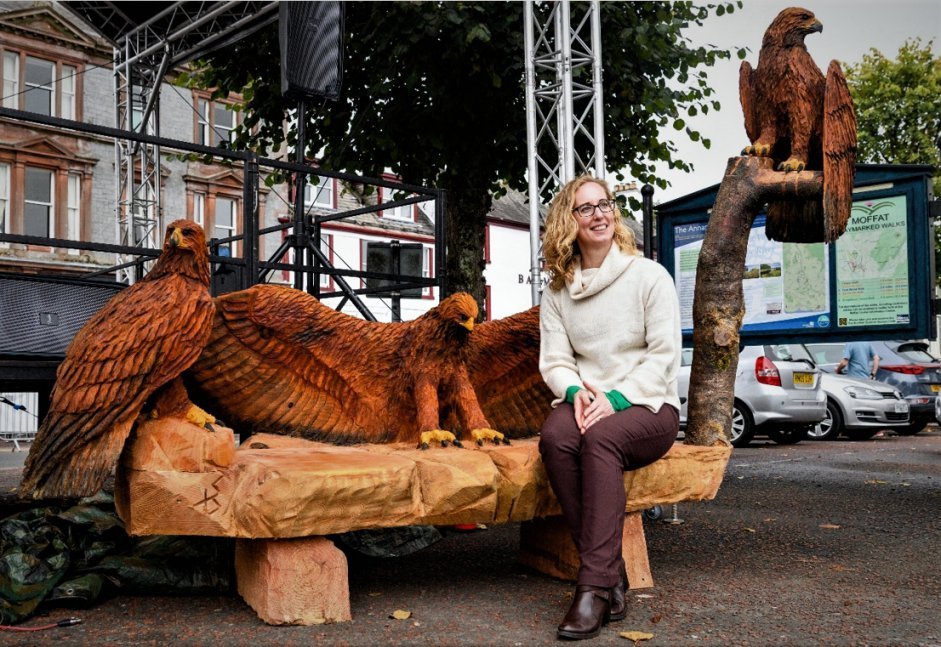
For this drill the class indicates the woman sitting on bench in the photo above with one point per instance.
(610, 352)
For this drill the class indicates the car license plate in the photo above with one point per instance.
(935, 387)
(803, 379)
(901, 407)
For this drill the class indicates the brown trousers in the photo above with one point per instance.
(587, 475)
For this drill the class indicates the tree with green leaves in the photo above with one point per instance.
(898, 111)
(434, 91)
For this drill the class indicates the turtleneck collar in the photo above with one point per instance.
(585, 283)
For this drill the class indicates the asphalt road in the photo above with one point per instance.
(821, 543)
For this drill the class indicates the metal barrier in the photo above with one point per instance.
(18, 418)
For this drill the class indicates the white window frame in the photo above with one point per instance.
(67, 85)
(326, 246)
(11, 80)
(231, 231)
(199, 209)
(50, 220)
(73, 209)
(403, 213)
(53, 96)
(426, 271)
(233, 119)
(206, 121)
(318, 192)
(4, 200)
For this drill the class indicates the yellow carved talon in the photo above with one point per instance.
(758, 150)
(200, 418)
(436, 436)
(480, 435)
(793, 164)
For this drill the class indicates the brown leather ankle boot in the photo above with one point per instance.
(619, 597)
(589, 612)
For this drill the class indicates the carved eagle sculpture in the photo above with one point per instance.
(802, 121)
(279, 361)
(131, 353)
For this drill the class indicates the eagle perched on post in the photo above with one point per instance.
(280, 361)
(803, 121)
(130, 353)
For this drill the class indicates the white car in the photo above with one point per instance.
(859, 408)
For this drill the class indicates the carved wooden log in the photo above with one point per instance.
(277, 486)
(718, 304)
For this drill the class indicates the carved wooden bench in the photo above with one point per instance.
(281, 496)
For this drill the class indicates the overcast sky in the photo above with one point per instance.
(850, 29)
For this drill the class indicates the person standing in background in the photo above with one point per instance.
(857, 356)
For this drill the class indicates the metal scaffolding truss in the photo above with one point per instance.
(149, 40)
(564, 107)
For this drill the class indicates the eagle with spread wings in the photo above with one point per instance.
(280, 361)
(803, 121)
(129, 356)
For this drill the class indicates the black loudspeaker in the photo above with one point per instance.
(39, 317)
(311, 39)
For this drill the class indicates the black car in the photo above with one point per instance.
(906, 365)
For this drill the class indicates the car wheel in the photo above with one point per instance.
(743, 428)
(912, 429)
(860, 434)
(830, 427)
(788, 436)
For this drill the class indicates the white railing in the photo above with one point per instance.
(18, 421)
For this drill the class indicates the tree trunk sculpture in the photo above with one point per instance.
(718, 304)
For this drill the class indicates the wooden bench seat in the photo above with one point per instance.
(177, 479)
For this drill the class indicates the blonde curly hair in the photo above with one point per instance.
(559, 244)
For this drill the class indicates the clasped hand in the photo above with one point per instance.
(591, 405)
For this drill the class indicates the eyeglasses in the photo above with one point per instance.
(587, 210)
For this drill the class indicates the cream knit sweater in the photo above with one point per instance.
(617, 328)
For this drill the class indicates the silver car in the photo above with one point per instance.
(777, 392)
(859, 408)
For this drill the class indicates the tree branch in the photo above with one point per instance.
(718, 304)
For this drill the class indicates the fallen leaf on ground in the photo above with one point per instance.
(374, 594)
(748, 529)
(875, 482)
(643, 596)
(399, 614)
(636, 636)
(655, 619)
(829, 526)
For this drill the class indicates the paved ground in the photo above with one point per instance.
(814, 544)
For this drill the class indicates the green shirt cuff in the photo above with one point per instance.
(618, 401)
(570, 393)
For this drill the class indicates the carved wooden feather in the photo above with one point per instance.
(279, 361)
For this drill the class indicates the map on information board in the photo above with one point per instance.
(872, 265)
(785, 285)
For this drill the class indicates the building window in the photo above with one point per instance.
(40, 92)
(214, 122)
(67, 84)
(225, 224)
(427, 272)
(11, 80)
(326, 246)
(199, 209)
(73, 205)
(39, 85)
(37, 210)
(402, 213)
(318, 192)
(4, 199)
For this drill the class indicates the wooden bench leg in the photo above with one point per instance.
(293, 581)
(546, 546)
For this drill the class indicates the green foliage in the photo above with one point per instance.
(898, 110)
(435, 92)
